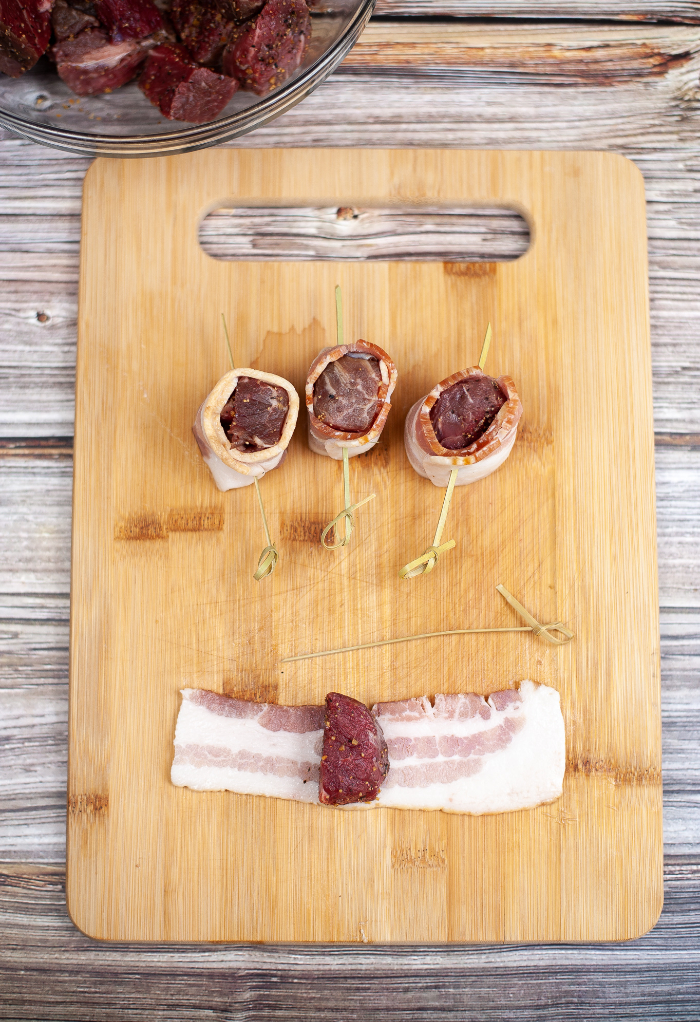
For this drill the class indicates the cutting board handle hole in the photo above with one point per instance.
(452, 234)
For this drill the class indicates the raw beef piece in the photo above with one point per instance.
(69, 20)
(471, 755)
(129, 19)
(25, 31)
(183, 91)
(239, 10)
(266, 50)
(465, 411)
(90, 63)
(203, 29)
(253, 748)
(254, 415)
(354, 761)
(346, 394)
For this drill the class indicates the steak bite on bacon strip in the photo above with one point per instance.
(469, 421)
(354, 760)
(348, 392)
(244, 433)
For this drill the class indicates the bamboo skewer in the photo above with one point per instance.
(349, 509)
(541, 631)
(267, 562)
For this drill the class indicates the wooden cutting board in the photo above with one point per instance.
(163, 594)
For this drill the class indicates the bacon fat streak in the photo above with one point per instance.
(464, 754)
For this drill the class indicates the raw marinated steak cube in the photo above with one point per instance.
(25, 31)
(129, 19)
(90, 63)
(266, 50)
(183, 91)
(355, 758)
(69, 21)
(203, 29)
(239, 10)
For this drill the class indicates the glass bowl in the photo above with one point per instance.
(124, 123)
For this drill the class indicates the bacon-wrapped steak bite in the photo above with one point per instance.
(244, 433)
(25, 32)
(348, 397)
(354, 760)
(468, 421)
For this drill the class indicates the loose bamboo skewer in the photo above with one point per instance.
(427, 561)
(349, 509)
(267, 562)
(542, 631)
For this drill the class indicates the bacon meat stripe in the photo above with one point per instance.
(464, 754)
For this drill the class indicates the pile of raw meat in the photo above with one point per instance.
(190, 55)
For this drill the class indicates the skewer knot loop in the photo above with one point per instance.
(347, 514)
(267, 562)
(426, 562)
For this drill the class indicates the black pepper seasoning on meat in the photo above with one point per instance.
(253, 417)
(464, 411)
(355, 759)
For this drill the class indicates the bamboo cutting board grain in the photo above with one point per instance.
(163, 595)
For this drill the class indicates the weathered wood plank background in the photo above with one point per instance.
(433, 80)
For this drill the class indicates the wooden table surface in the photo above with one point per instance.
(426, 73)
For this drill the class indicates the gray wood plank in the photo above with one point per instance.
(605, 10)
(48, 971)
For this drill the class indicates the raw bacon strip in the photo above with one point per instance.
(465, 754)
(231, 467)
(182, 90)
(355, 407)
(224, 744)
(471, 755)
(489, 430)
(354, 760)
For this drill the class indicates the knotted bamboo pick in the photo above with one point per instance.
(427, 561)
(542, 631)
(267, 562)
(349, 509)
